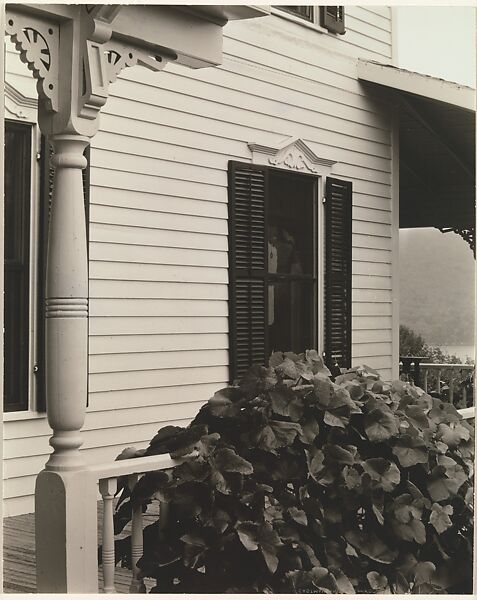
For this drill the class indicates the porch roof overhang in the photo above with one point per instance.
(188, 34)
(436, 146)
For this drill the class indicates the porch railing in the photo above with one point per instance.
(107, 475)
(454, 372)
(453, 380)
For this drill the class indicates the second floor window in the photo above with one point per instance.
(305, 12)
(330, 17)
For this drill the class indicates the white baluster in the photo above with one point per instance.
(426, 373)
(108, 488)
(438, 389)
(451, 386)
(137, 584)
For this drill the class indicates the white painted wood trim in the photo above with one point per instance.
(395, 244)
(131, 466)
(18, 106)
(415, 83)
(292, 154)
(394, 37)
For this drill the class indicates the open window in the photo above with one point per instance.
(273, 262)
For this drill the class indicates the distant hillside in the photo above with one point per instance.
(437, 286)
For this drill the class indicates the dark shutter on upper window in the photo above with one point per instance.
(332, 18)
(338, 224)
(247, 266)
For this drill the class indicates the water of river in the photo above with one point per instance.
(461, 351)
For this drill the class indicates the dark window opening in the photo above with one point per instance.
(291, 262)
(332, 18)
(17, 265)
(305, 12)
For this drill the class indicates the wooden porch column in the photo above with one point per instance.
(67, 305)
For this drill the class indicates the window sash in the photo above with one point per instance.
(304, 12)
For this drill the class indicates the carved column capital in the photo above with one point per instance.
(73, 91)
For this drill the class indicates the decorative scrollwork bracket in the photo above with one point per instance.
(38, 44)
(104, 58)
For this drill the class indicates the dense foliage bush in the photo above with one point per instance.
(297, 483)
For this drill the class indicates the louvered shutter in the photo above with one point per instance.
(332, 18)
(338, 217)
(46, 192)
(247, 266)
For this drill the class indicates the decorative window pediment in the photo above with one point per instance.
(18, 105)
(293, 154)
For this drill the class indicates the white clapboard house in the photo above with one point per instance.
(242, 173)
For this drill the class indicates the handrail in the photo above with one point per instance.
(107, 475)
(447, 366)
(453, 368)
(131, 466)
(467, 413)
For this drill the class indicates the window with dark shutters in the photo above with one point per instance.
(247, 291)
(338, 231)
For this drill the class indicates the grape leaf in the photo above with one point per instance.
(453, 434)
(380, 425)
(261, 536)
(440, 517)
(376, 581)
(340, 455)
(309, 430)
(383, 472)
(410, 450)
(285, 433)
(227, 460)
(298, 515)
(371, 546)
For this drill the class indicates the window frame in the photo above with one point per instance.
(311, 17)
(32, 409)
(316, 23)
(317, 256)
(318, 279)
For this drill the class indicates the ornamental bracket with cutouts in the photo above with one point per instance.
(38, 44)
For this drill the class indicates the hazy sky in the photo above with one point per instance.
(437, 40)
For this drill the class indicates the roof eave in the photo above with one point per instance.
(415, 83)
